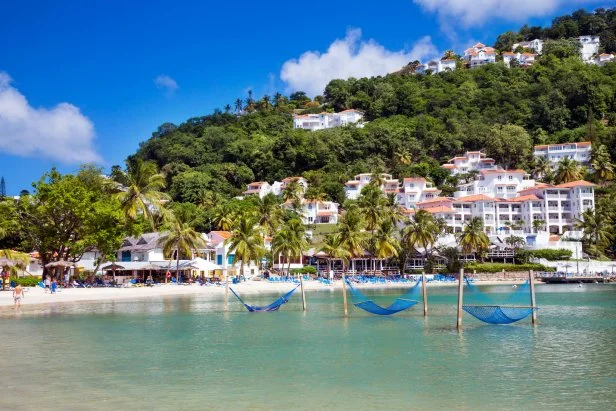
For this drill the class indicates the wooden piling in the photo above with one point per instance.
(301, 285)
(531, 279)
(424, 293)
(460, 298)
(226, 290)
(344, 296)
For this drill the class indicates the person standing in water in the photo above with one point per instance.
(18, 295)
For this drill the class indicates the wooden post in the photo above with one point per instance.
(531, 279)
(226, 290)
(301, 285)
(424, 293)
(460, 298)
(344, 297)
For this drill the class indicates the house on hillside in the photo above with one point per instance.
(479, 55)
(590, 47)
(325, 120)
(260, 188)
(579, 152)
(523, 59)
(535, 45)
(471, 160)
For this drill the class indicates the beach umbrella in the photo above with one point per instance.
(60, 263)
(113, 267)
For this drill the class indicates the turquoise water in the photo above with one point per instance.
(185, 353)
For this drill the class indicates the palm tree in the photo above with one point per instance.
(377, 180)
(386, 245)
(421, 231)
(239, 105)
(278, 98)
(597, 231)
(449, 54)
(290, 241)
(351, 234)
(181, 238)
(293, 191)
(227, 108)
(138, 189)
(335, 249)
(472, 239)
(515, 242)
(266, 102)
(604, 169)
(246, 242)
(11, 261)
(223, 217)
(404, 157)
(537, 224)
(267, 212)
(568, 170)
(541, 167)
(371, 203)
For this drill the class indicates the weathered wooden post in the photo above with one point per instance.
(424, 293)
(301, 285)
(226, 290)
(531, 279)
(460, 298)
(344, 296)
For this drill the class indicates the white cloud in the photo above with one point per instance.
(479, 12)
(166, 83)
(61, 133)
(349, 57)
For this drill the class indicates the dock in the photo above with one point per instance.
(568, 278)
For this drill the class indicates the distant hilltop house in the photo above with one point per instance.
(263, 188)
(437, 66)
(524, 59)
(579, 152)
(535, 45)
(471, 160)
(324, 120)
(479, 55)
(604, 58)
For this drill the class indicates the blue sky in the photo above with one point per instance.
(78, 79)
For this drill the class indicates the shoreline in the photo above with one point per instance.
(36, 296)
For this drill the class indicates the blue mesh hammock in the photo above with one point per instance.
(510, 311)
(268, 308)
(401, 303)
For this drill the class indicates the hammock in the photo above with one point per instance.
(272, 307)
(505, 313)
(401, 303)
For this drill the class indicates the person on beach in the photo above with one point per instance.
(18, 295)
(47, 283)
(54, 286)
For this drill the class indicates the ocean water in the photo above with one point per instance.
(187, 353)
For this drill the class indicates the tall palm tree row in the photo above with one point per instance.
(604, 169)
(290, 241)
(597, 231)
(352, 236)
(334, 247)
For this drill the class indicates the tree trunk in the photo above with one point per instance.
(177, 266)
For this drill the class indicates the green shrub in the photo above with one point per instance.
(498, 267)
(550, 255)
(304, 270)
(26, 281)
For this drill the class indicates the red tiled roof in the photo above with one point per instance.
(325, 213)
(579, 183)
(352, 183)
(435, 200)
(252, 191)
(418, 179)
(439, 209)
(223, 234)
(476, 197)
(528, 197)
(449, 166)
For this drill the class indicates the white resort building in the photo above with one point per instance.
(479, 55)
(316, 212)
(604, 58)
(437, 66)
(590, 47)
(535, 45)
(579, 152)
(324, 120)
(496, 183)
(471, 160)
(523, 59)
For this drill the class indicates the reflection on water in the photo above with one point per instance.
(186, 352)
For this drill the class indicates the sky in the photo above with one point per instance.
(87, 81)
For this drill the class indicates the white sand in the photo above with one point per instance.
(36, 295)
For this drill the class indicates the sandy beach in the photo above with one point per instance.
(36, 295)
